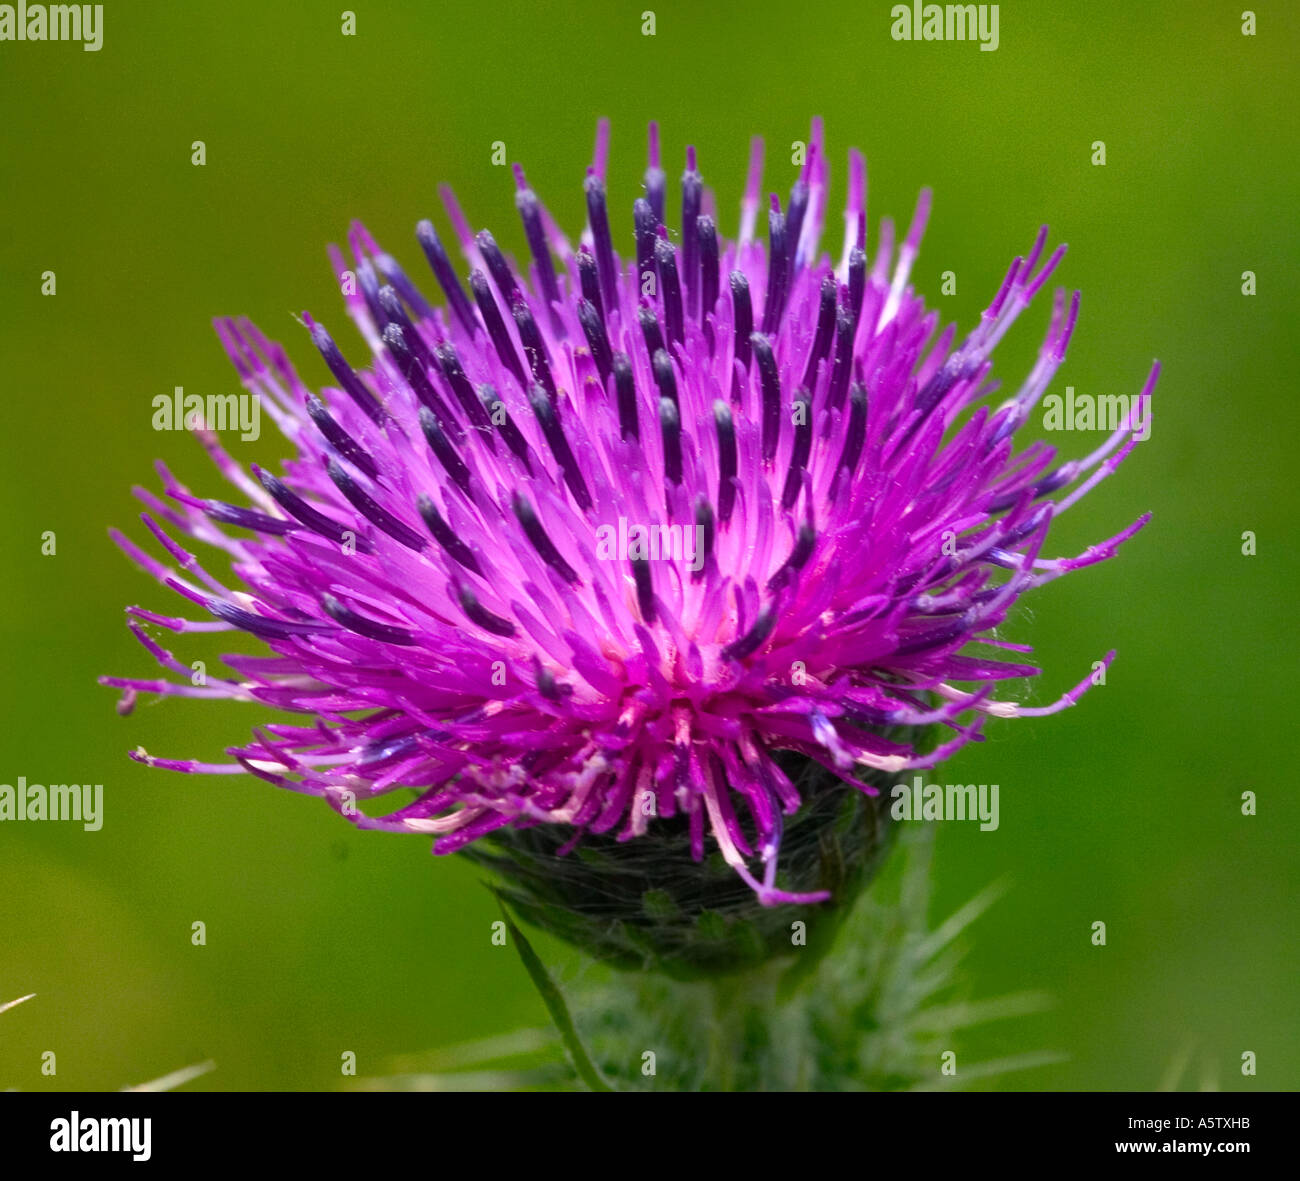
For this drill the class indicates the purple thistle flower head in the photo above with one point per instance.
(606, 547)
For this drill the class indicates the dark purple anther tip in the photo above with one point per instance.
(802, 411)
(497, 266)
(857, 282)
(339, 439)
(443, 450)
(670, 288)
(489, 621)
(843, 365)
(372, 630)
(534, 346)
(753, 639)
(589, 281)
(300, 510)
(799, 555)
(743, 314)
(625, 394)
(825, 329)
(670, 426)
(645, 595)
(442, 269)
(598, 217)
(499, 416)
(553, 430)
(395, 314)
(445, 535)
(454, 374)
(662, 367)
(705, 532)
(530, 211)
(496, 326)
(594, 330)
(536, 533)
(856, 432)
(345, 376)
(366, 505)
(387, 266)
(778, 269)
(644, 225)
(707, 233)
(411, 368)
(650, 330)
(770, 383)
(692, 194)
(726, 428)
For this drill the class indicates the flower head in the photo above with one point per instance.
(602, 544)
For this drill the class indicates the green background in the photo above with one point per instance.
(322, 940)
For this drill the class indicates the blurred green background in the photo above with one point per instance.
(322, 940)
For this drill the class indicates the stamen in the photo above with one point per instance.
(753, 639)
(770, 382)
(492, 407)
(598, 218)
(549, 420)
(594, 330)
(843, 364)
(530, 211)
(489, 621)
(662, 367)
(344, 375)
(801, 450)
(589, 280)
(726, 460)
(445, 535)
(645, 595)
(339, 439)
(261, 625)
(300, 510)
(670, 289)
(708, 235)
(441, 266)
(705, 531)
(496, 326)
(542, 543)
(654, 338)
(625, 395)
(670, 425)
(692, 193)
(534, 347)
(443, 449)
(497, 266)
(371, 629)
(412, 369)
(372, 511)
(644, 224)
(778, 267)
(825, 326)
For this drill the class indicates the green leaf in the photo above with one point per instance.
(553, 999)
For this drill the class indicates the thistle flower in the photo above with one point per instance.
(437, 578)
